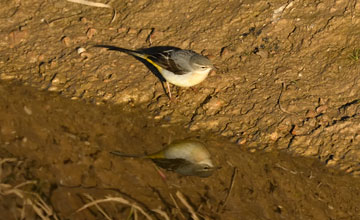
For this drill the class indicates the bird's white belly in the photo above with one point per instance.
(186, 80)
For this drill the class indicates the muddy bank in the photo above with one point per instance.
(287, 74)
(286, 80)
(64, 146)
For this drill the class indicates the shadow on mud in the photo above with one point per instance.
(63, 145)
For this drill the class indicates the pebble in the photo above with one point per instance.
(241, 141)
(81, 50)
(41, 58)
(27, 110)
(66, 41)
(274, 136)
(90, 32)
(59, 79)
(83, 20)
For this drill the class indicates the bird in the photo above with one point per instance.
(183, 68)
(185, 157)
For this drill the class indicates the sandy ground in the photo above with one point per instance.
(281, 113)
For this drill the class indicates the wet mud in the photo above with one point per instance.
(280, 114)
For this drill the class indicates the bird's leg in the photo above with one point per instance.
(162, 174)
(169, 91)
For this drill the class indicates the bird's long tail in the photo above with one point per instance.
(130, 52)
(117, 153)
(134, 53)
(157, 155)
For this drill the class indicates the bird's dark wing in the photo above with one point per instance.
(164, 61)
(170, 164)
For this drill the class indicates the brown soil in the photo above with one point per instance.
(281, 114)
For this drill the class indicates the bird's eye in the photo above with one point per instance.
(206, 168)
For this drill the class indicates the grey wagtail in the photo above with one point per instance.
(184, 68)
(186, 157)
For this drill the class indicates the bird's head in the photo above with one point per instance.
(201, 63)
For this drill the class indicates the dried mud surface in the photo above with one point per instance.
(287, 80)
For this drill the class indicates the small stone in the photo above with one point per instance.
(58, 79)
(241, 141)
(81, 50)
(331, 163)
(252, 150)
(158, 117)
(41, 58)
(66, 41)
(55, 81)
(27, 110)
(90, 32)
(83, 20)
(274, 136)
